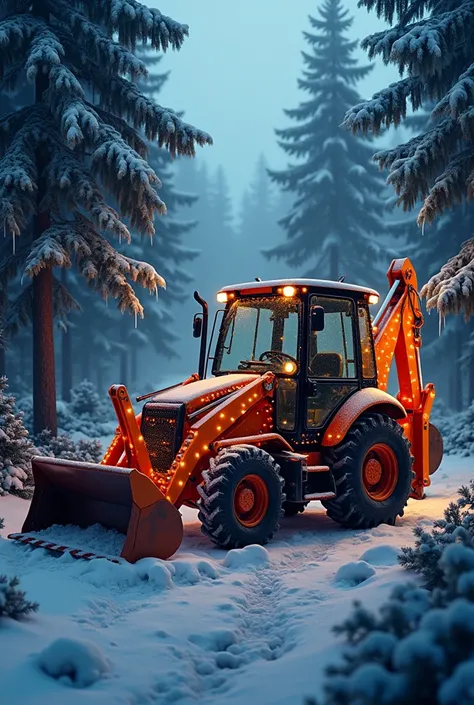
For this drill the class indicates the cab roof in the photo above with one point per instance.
(311, 284)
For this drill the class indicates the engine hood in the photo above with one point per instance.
(204, 391)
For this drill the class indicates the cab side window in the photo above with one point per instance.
(367, 349)
(331, 351)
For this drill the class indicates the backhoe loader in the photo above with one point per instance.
(296, 410)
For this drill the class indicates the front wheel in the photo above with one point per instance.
(372, 469)
(241, 497)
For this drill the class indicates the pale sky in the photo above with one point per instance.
(238, 70)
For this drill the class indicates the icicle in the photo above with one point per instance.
(4, 229)
(136, 320)
(151, 240)
(423, 229)
(14, 244)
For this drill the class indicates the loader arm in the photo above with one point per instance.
(397, 333)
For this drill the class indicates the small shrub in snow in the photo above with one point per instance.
(64, 447)
(76, 662)
(16, 447)
(13, 602)
(85, 400)
(456, 527)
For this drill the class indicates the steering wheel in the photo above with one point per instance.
(274, 356)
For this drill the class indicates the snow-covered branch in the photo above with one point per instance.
(100, 48)
(134, 22)
(385, 108)
(105, 269)
(424, 46)
(160, 124)
(449, 187)
(452, 290)
(413, 174)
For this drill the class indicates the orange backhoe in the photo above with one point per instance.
(296, 410)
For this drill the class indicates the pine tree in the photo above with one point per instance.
(16, 447)
(336, 217)
(79, 139)
(432, 43)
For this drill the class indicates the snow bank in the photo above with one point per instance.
(245, 557)
(354, 573)
(75, 662)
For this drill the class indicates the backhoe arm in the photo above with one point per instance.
(397, 332)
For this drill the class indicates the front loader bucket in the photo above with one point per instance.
(84, 494)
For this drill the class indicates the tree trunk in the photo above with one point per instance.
(334, 272)
(44, 382)
(66, 355)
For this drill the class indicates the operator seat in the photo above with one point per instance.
(326, 364)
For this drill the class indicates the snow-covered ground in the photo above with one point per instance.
(207, 627)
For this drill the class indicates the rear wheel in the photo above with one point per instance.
(241, 497)
(372, 469)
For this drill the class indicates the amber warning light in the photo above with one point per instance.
(289, 291)
(373, 299)
(222, 297)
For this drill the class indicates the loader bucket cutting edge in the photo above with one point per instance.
(83, 494)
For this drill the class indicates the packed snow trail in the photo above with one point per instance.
(208, 626)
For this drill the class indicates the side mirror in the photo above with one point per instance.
(197, 326)
(316, 319)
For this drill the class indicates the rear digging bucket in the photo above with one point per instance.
(83, 494)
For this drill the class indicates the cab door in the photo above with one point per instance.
(332, 360)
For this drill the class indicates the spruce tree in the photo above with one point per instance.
(78, 143)
(336, 216)
(432, 44)
(16, 447)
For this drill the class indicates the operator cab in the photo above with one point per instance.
(315, 335)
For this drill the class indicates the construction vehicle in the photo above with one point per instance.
(297, 410)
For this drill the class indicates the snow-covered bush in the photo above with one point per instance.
(85, 400)
(417, 650)
(16, 447)
(13, 602)
(86, 413)
(457, 430)
(456, 527)
(64, 447)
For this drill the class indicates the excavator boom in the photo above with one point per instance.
(397, 333)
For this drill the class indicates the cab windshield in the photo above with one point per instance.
(258, 335)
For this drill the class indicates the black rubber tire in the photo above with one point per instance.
(216, 504)
(291, 509)
(352, 506)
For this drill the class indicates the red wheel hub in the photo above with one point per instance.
(251, 500)
(380, 472)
